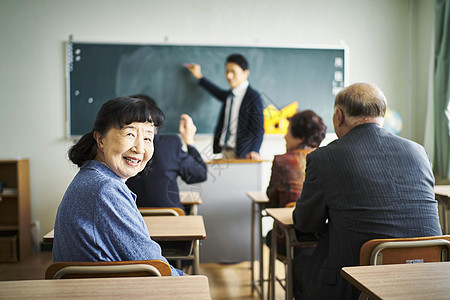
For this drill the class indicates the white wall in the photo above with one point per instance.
(423, 27)
(32, 83)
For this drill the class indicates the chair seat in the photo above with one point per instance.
(64, 270)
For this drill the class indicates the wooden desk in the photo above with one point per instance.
(442, 195)
(282, 216)
(184, 287)
(169, 228)
(259, 201)
(401, 281)
(191, 198)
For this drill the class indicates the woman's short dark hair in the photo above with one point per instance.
(309, 126)
(239, 60)
(145, 97)
(116, 113)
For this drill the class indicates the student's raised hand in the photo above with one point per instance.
(195, 69)
(187, 129)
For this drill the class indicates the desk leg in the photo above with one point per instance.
(289, 256)
(252, 245)
(261, 258)
(273, 256)
(194, 211)
(196, 266)
(444, 220)
(444, 206)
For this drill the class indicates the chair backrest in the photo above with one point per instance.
(161, 211)
(65, 270)
(405, 250)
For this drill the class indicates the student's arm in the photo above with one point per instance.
(187, 129)
(272, 189)
(192, 167)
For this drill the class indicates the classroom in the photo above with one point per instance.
(388, 43)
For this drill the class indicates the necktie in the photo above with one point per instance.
(227, 134)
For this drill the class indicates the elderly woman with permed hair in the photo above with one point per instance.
(97, 219)
(305, 133)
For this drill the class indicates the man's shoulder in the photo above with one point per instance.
(252, 92)
(329, 148)
(167, 139)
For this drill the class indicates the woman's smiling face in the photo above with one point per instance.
(126, 151)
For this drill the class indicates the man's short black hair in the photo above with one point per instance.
(239, 60)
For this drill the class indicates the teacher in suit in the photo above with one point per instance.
(240, 128)
(367, 184)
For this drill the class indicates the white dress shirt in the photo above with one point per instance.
(238, 93)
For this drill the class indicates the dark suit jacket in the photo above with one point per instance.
(369, 184)
(250, 129)
(157, 186)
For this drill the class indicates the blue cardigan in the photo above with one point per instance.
(98, 220)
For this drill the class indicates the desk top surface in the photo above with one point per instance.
(442, 190)
(190, 197)
(401, 281)
(258, 196)
(235, 161)
(167, 228)
(167, 287)
(282, 215)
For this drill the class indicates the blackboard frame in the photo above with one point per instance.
(216, 74)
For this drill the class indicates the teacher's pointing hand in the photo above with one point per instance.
(195, 69)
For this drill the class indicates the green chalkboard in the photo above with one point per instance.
(99, 72)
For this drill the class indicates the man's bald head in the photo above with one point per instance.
(359, 103)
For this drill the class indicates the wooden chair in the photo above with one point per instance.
(405, 250)
(295, 243)
(161, 211)
(65, 270)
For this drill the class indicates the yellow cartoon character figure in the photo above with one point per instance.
(276, 121)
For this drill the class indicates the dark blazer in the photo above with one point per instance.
(157, 186)
(250, 129)
(369, 184)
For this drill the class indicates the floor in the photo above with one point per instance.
(227, 281)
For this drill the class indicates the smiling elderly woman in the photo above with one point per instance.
(97, 219)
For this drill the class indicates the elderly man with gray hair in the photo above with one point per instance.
(367, 184)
